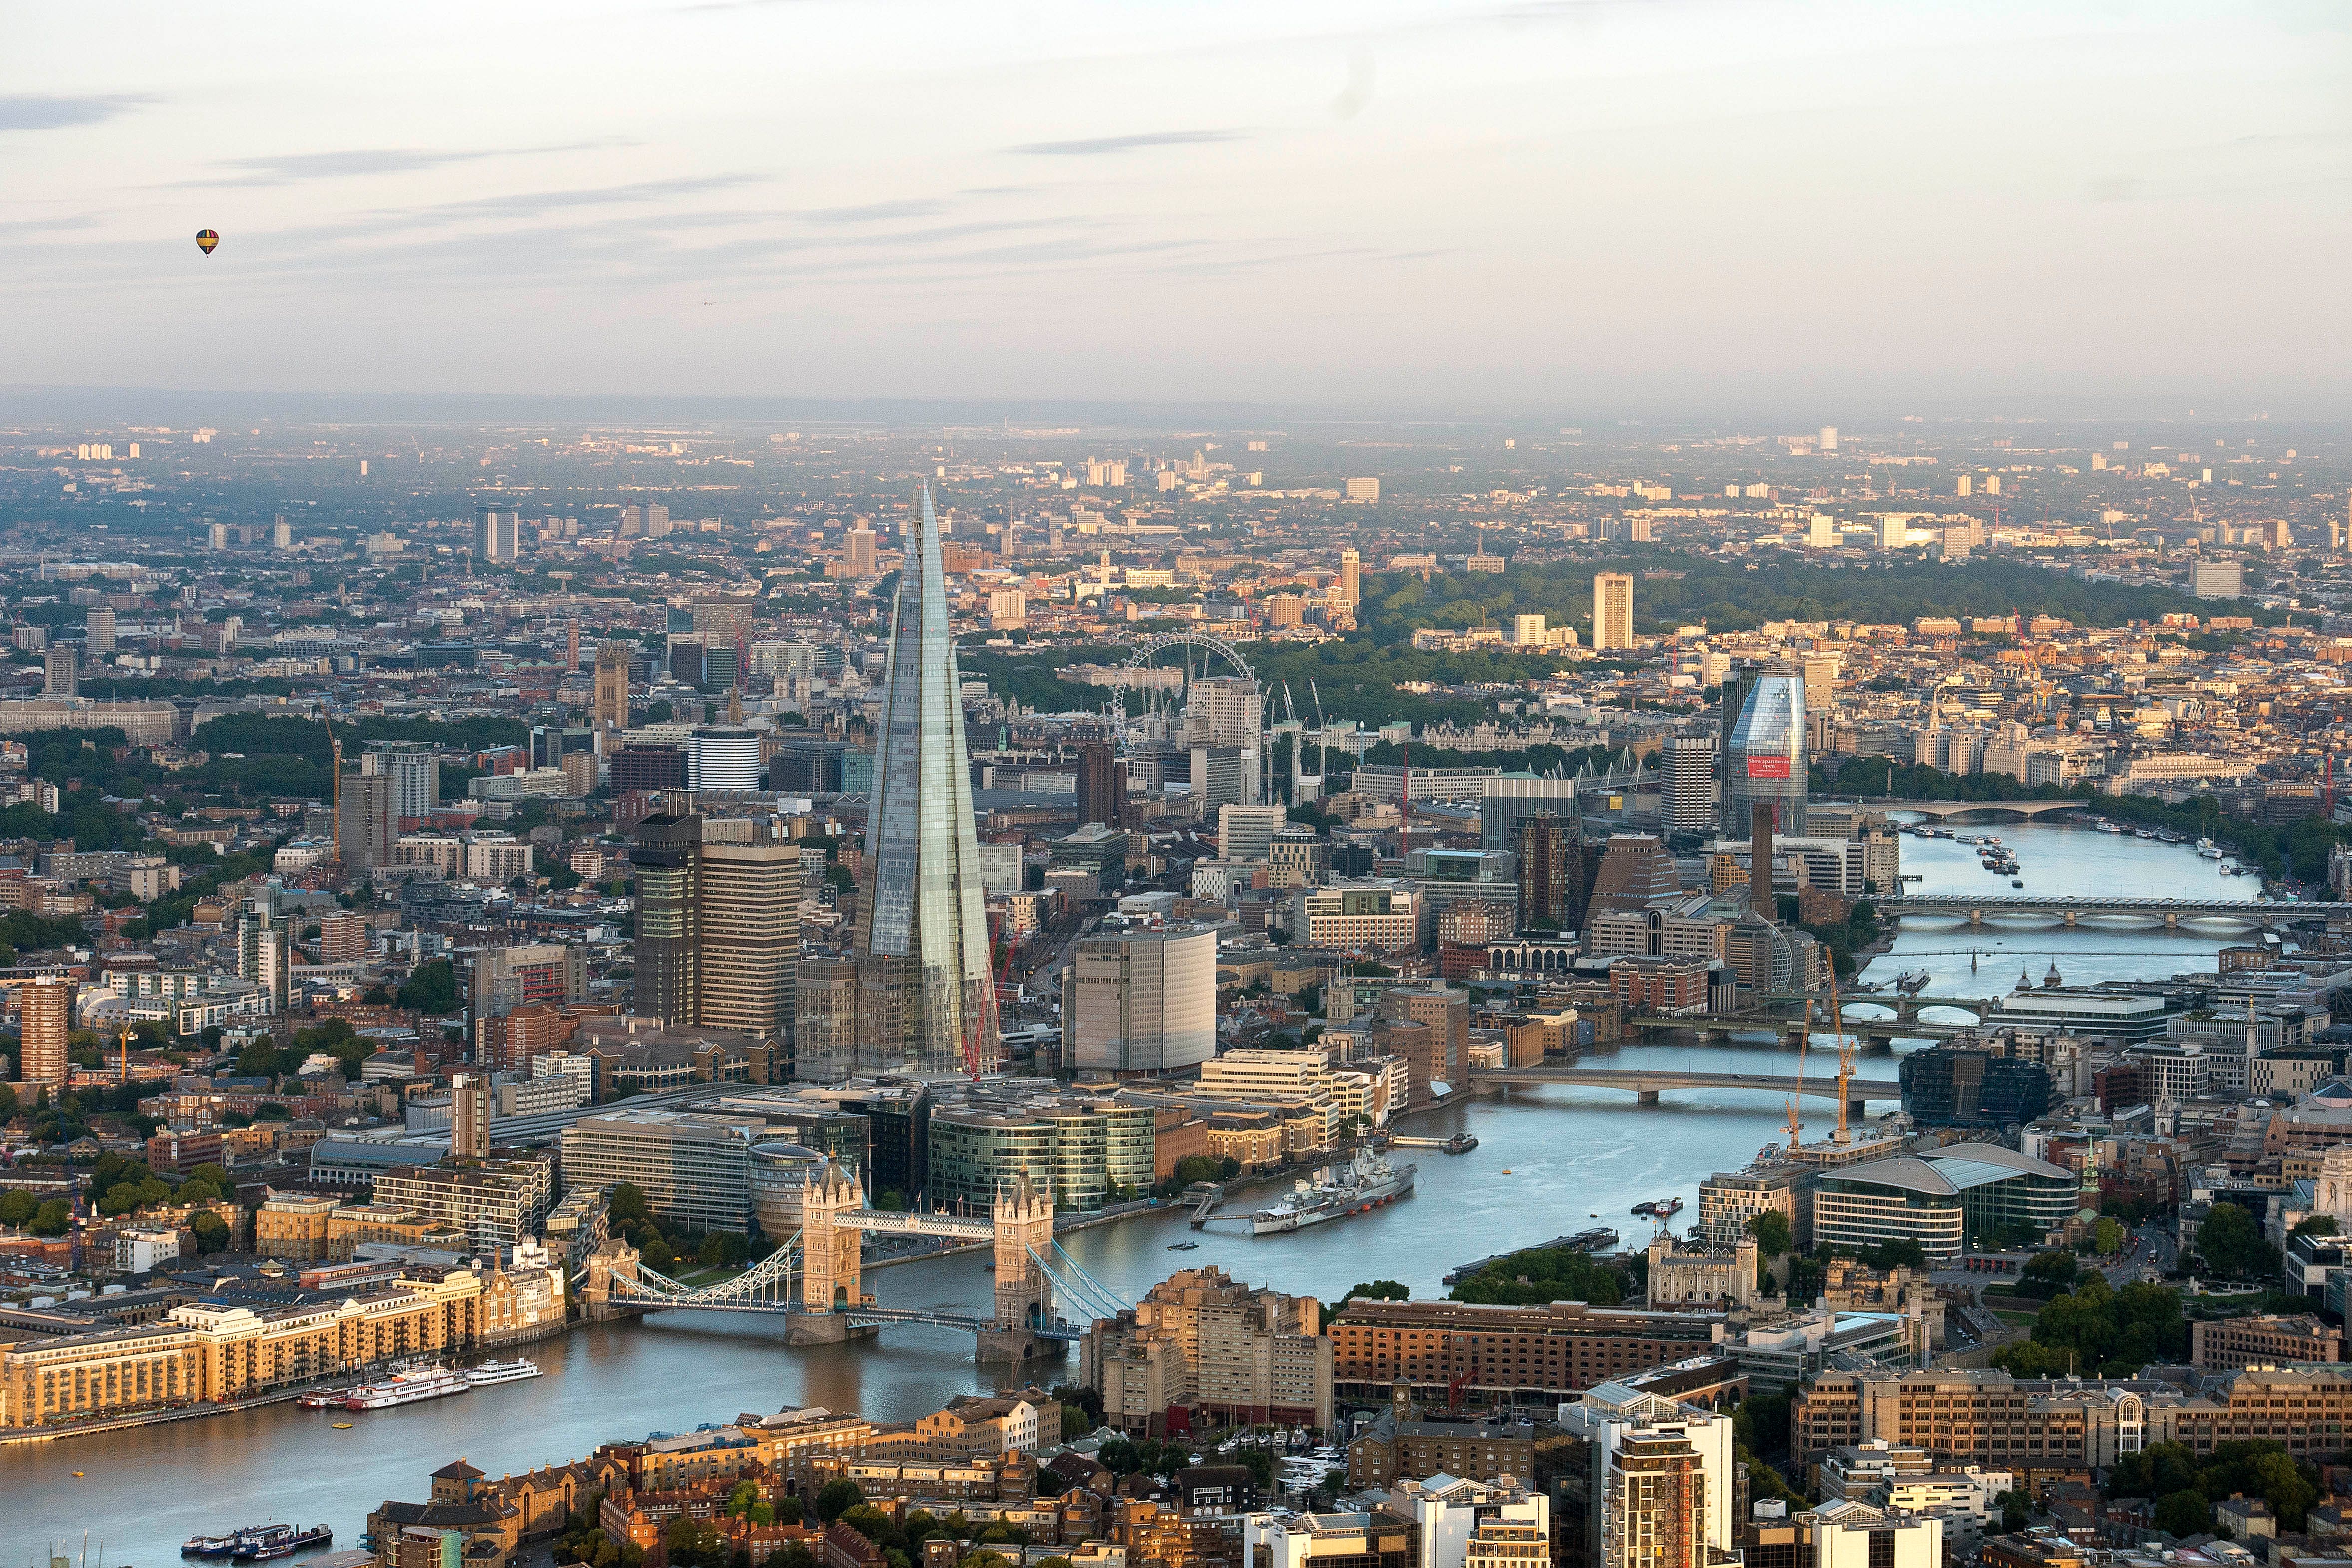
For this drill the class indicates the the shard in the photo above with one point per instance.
(927, 1002)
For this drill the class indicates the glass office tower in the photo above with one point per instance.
(1764, 760)
(927, 1002)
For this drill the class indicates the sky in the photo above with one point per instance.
(1831, 210)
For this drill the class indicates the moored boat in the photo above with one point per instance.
(500, 1372)
(1366, 1182)
(407, 1389)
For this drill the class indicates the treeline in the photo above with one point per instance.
(1734, 596)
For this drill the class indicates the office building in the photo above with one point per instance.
(927, 1001)
(1246, 834)
(60, 673)
(1942, 1198)
(693, 1169)
(1140, 1002)
(416, 775)
(1085, 1148)
(47, 1021)
(1612, 611)
(1102, 784)
(2217, 579)
(641, 769)
(1384, 917)
(1765, 759)
(498, 533)
(99, 633)
(1958, 1086)
(1351, 577)
(612, 695)
(718, 942)
(1364, 489)
(1686, 784)
(366, 821)
(1221, 712)
(723, 756)
(1829, 438)
(1206, 1349)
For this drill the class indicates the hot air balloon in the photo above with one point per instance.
(206, 240)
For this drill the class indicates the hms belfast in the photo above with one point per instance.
(926, 999)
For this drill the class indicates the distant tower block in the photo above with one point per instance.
(1023, 1215)
(831, 1278)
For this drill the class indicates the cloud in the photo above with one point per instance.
(1097, 146)
(878, 212)
(50, 112)
(525, 204)
(279, 169)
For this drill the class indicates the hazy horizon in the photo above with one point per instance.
(1795, 212)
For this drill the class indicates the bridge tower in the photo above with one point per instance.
(1023, 1215)
(614, 1261)
(831, 1278)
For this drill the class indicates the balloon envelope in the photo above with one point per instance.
(206, 240)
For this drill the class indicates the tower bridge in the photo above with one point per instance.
(815, 1281)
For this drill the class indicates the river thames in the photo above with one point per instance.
(1550, 1160)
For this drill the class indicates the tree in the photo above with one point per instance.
(2016, 1512)
(2047, 1273)
(1376, 1291)
(211, 1231)
(433, 988)
(836, 1498)
(1773, 1234)
(2184, 1512)
(2107, 1237)
(2232, 1246)
(51, 1219)
(692, 1544)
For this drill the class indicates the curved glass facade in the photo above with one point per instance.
(1764, 761)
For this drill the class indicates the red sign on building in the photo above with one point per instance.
(1768, 768)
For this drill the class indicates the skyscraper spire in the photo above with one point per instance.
(927, 1002)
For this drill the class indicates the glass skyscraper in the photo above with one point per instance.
(1764, 759)
(927, 1002)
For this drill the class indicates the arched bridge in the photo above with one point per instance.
(1648, 1083)
(814, 1282)
(2072, 908)
(1944, 810)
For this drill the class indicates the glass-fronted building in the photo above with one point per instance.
(1942, 1198)
(1764, 760)
(926, 1000)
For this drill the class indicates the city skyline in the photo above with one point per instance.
(1409, 206)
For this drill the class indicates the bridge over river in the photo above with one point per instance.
(813, 1283)
(2073, 908)
(1647, 1083)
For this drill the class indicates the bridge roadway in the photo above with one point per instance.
(2171, 910)
(1648, 1083)
(1943, 810)
(1877, 1029)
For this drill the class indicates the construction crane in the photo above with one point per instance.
(1844, 1050)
